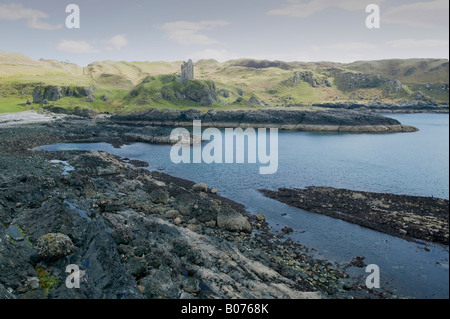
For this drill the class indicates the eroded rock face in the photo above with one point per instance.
(51, 247)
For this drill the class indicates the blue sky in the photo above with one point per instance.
(174, 30)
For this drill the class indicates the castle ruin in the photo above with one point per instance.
(187, 71)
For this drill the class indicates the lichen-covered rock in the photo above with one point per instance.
(51, 247)
(233, 221)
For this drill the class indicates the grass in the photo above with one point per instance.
(20, 74)
(13, 105)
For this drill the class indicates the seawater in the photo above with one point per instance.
(402, 163)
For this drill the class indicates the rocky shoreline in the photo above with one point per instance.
(383, 107)
(409, 217)
(135, 233)
(314, 121)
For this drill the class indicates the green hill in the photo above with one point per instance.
(130, 86)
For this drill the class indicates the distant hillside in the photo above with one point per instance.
(243, 83)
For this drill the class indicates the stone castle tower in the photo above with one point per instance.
(187, 71)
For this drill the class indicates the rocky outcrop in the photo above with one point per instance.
(253, 101)
(308, 77)
(351, 81)
(403, 106)
(55, 93)
(327, 120)
(202, 92)
(398, 215)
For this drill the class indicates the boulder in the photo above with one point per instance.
(90, 98)
(224, 93)
(38, 95)
(84, 112)
(233, 221)
(254, 101)
(51, 247)
(200, 187)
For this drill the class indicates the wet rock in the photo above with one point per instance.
(358, 262)
(51, 247)
(261, 218)
(287, 230)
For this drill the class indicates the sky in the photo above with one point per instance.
(175, 30)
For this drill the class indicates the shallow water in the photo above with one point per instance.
(408, 163)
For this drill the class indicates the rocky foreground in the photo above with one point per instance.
(408, 217)
(135, 233)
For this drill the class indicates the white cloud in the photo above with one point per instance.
(419, 14)
(117, 42)
(417, 44)
(188, 33)
(303, 9)
(76, 47)
(14, 12)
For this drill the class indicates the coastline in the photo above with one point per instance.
(165, 237)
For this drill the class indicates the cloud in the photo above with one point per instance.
(417, 44)
(188, 33)
(76, 47)
(117, 42)
(14, 12)
(303, 9)
(419, 14)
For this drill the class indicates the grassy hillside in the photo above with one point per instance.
(238, 83)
